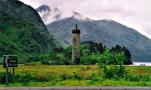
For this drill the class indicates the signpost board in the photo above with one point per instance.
(10, 61)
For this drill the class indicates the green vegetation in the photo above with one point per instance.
(114, 72)
(90, 53)
(22, 31)
(79, 75)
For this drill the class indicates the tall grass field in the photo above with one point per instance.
(69, 75)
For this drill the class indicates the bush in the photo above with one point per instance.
(45, 62)
(120, 71)
(91, 59)
(115, 72)
(59, 58)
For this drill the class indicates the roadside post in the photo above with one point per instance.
(10, 61)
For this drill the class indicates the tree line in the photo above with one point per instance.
(90, 53)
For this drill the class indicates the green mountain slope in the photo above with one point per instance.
(22, 31)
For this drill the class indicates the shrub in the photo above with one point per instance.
(90, 59)
(45, 62)
(119, 71)
(115, 72)
(108, 72)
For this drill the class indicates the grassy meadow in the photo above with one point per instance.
(70, 75)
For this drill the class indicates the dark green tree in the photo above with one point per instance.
(128, 56)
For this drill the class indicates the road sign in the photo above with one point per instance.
(10, 61)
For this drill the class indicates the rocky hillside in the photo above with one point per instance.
(22, 31)
(108, 32)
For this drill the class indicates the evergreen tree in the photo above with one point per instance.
(128, 56)
(101, 48)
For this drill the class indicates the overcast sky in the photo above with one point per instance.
(132, 13)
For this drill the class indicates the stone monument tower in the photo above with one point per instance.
(76, 46)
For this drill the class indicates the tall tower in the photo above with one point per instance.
(76, 46)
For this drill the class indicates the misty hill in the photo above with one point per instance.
(22, 31)
(108, 32)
